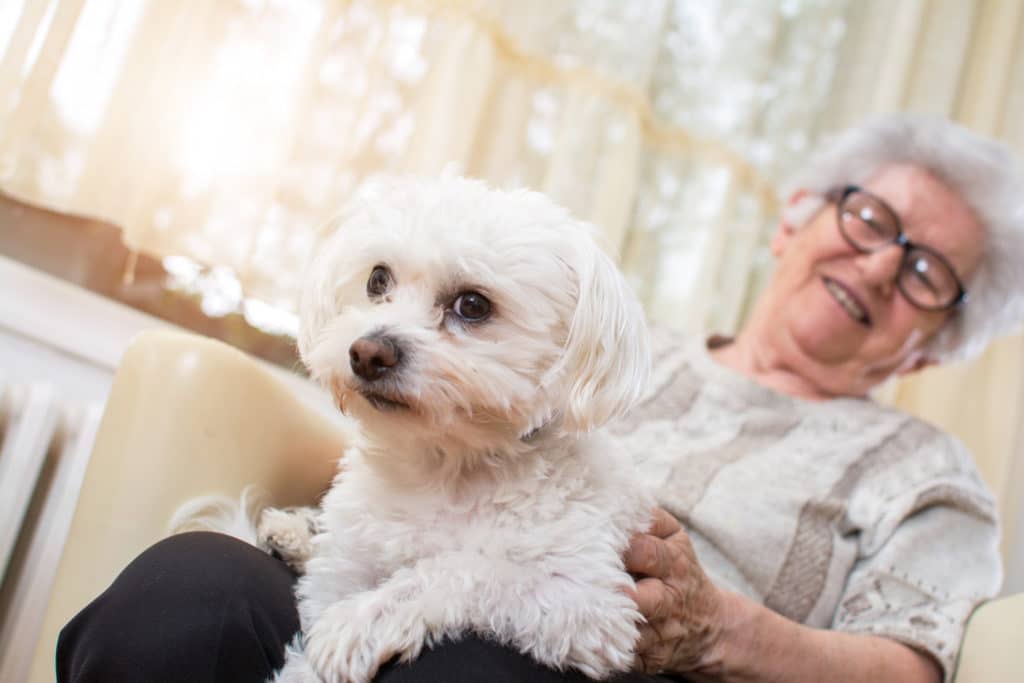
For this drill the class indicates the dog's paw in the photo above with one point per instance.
(354, 638)
(598, 640)
(603, 649)
(297, 668)
(342, 653)
(288, 534)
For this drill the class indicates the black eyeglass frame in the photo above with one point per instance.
(840, 195)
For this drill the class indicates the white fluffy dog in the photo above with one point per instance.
(479, 337)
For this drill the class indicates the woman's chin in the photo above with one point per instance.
(826, 339)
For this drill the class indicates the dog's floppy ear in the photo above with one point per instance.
(318, 298)
(607, 358)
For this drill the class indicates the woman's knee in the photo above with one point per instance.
(474, 659)
(197, 606)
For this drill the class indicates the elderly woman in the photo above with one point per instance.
(807, 532)
(828, 537)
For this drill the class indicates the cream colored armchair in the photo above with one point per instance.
(189, 416)
(186, 416)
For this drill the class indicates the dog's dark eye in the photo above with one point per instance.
(472, 306)
(379, 282)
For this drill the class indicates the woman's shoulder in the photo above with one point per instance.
(666, 340)
(919, 447)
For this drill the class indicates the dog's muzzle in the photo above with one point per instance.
(374, 357)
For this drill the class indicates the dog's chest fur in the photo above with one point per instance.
(527, 515)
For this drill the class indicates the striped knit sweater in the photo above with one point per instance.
(842, 514)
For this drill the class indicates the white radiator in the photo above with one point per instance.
(45, 445)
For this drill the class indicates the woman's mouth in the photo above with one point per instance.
(845, 298)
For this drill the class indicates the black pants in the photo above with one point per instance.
(203, 607)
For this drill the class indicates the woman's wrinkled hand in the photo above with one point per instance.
(684, 610)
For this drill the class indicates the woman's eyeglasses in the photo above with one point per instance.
(868, 224)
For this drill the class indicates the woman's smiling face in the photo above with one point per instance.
(839, 310)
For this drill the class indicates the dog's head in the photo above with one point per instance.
(466, 317)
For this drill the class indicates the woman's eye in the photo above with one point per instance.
(472, 306)
(921, 269)
(379, 282)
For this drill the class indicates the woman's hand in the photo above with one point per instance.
(695, 628)
(684, 610)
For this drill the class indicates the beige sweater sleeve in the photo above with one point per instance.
(930, 558)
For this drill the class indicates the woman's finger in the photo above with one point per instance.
(663, 524)
(651, 653)
(649, 556)
(652, 599)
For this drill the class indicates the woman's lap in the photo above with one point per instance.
(195, 607)
(475, 660)
(203, 607)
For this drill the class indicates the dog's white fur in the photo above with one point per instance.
(491, 504)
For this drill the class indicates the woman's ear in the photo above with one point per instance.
(783, 233)
(800, 208)
(914, 365)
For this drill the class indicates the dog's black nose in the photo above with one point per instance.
(373, 357)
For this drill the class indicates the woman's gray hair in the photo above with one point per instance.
(982, 172)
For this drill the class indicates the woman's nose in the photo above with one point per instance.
(881, 267)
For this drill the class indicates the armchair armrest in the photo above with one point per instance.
(186, 416)
(991, 651)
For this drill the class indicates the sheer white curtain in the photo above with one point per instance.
(229, 131)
